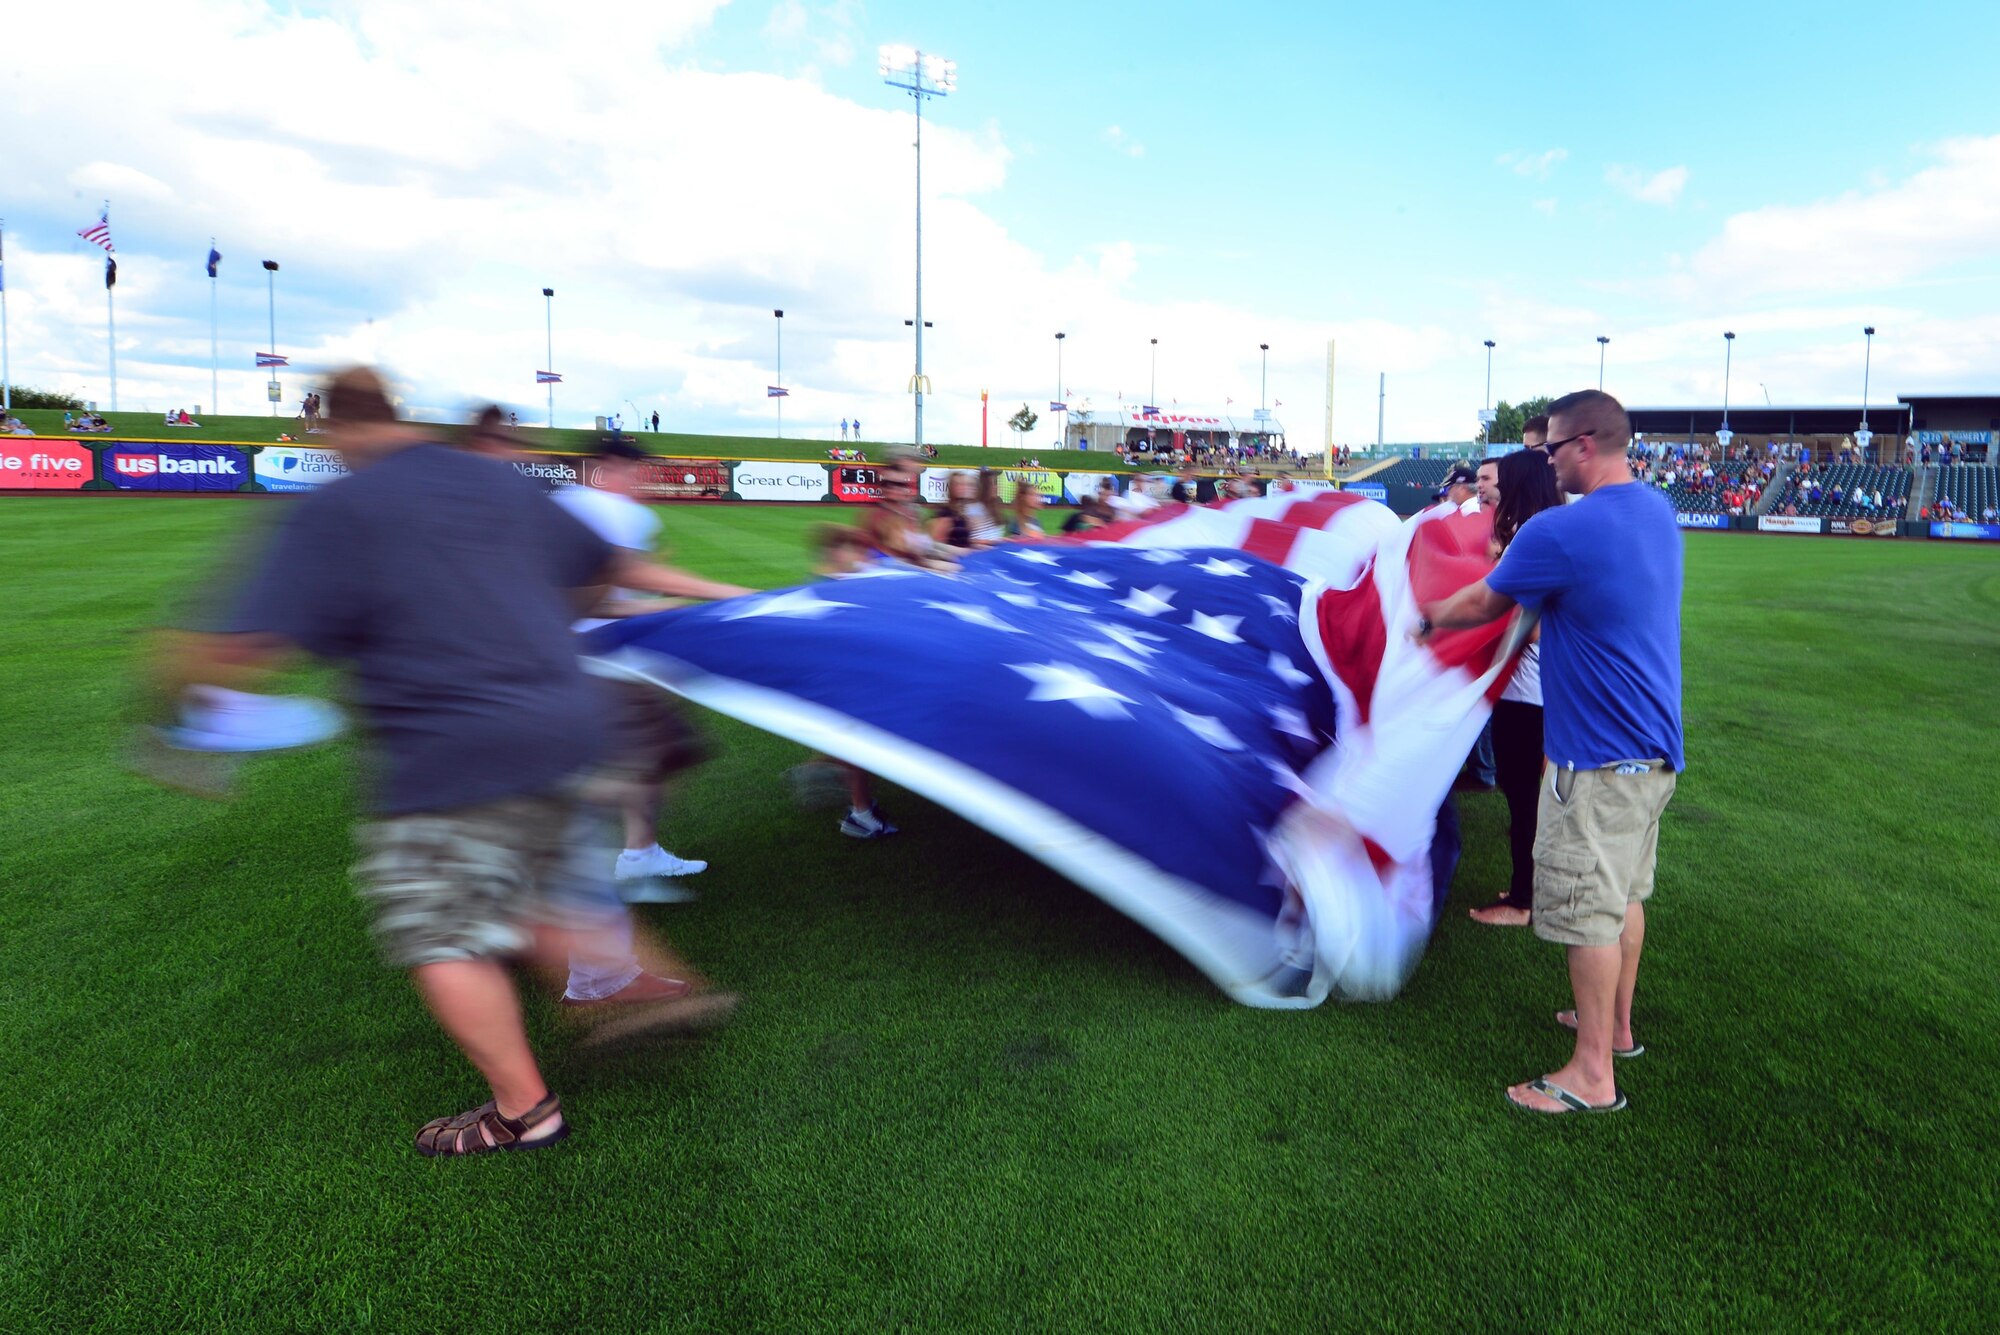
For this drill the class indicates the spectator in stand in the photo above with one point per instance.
(843, 428)
(14, 426)
(1525, 486)
(857, 428)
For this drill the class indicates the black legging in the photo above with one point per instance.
(1517, 766)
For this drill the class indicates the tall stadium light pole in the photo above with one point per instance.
(1728, 357)
(1487, 412)
(214, 344)
(1602, 344)
(1060, 397)
(920, 76)
(1153, 378)
(1864, 436)
(1264, 386)
(549, 328)
(778, 319)
(271, 297)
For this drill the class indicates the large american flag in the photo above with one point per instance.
(99, 232)
(1212, 718)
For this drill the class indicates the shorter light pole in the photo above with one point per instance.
(1725, 435)
(1864, 436)
(778, 319)
(1062, 427)
(1487, 414)
(271, 286)
(1263, 383)
(1602, 344)
(1153, 378)
(549, 327)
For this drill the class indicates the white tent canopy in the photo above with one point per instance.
(1234, 421)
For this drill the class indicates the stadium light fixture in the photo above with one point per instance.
(1060, 396)
(778, 382)
(1153, 378)
(920, 76)
(549, 327)
(1602, 344)
(1264, 387)
(1725, 435)
(1864, 436)
(271, 296)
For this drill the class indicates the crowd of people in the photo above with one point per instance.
(1184, 450)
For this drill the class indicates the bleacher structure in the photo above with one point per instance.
(1706, 499)
(1421, 473)
(1893, 483)
(1971, 488)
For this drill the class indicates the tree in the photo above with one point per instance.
(1509, 418)
(25, 397)
(1021, 423)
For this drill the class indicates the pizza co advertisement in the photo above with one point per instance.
(32, 464)
(176, 467)
(779, 482)
(284, 468)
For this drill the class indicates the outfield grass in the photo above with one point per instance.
(266, 430)
(962, 1094)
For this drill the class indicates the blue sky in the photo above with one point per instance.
(1409, 180)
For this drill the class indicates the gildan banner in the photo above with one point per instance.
(780, 482)
(289, 468)
(1977, 532)
(1788, 523)
(32, 464)
(176, 467)
(1691, 519)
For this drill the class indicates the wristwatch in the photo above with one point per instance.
(1424, 626)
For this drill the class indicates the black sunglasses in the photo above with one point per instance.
(1552, 446)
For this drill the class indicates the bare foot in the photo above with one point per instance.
(1620, 1042)
(1500, 915)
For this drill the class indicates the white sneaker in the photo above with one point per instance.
(647, 876)
(867, 824)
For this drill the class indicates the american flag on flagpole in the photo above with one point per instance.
(265, 359)
(99, 232)
(776, 392)
(1256, 651)
(547, 378)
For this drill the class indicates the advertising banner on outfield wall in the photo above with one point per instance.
(1689, 519)
(1374, 491)
(1788, 523)
(552, 471)
(1977, 532)
(1079, 487)
(32, 464)
(934, 481)
(1310, 485)
(779, 482)
(857, 482)
(290, 468)
(1863, 528)
(681, 480)
(176, 467)
(1047, 483)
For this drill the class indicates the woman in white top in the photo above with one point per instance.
(1527, 487)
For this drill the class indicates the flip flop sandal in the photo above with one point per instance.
(484, 1129)
(1570, 1102)
(1636, 1050)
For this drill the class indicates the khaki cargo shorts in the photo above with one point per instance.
(464, 884)
(1597, 834)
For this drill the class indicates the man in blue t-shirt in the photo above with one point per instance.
(1604, 575)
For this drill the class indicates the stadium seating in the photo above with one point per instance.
(1423, 473)
(1703, 498)
(1972, 488)
(1893, 483)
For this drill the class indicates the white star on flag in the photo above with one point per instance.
(1020, 599)
(1003, 575)
(1160, 556)
(1111, 653)
(975, 616)
(1216, 628)
(883, 571)
(1135, 640)
(1059, 681)
(801, 603)
(1289, 720)
(1215, 565)
(1039, 558)
(1067, 607)
(1209, 729)
(1284, 777)
(1279, 607)
(1150, 602)
(1282, 669)
(1085, 578)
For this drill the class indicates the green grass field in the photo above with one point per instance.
(266, 430)
(962, 1094)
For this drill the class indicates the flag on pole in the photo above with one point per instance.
(547, 378)
(214, 258)
(776, 392)
(272, 359)
(1055, 407)
(1148, 410)
(1256, 651)
(110, 273)
(99, 232)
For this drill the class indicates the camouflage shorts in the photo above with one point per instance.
(465, 884)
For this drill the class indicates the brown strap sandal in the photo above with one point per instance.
(484, 1129)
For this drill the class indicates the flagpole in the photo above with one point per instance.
(214, 362)
(6, 378)
(111, 321)
(780, 322)
(549, 327)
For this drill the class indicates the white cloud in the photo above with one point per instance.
(1123, 143)
(1546, 207)
(1535, 166)
(1662, 187)
(1944, 214)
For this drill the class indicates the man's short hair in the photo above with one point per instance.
(1539, 424)
(358, 396)
(1596, 412)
